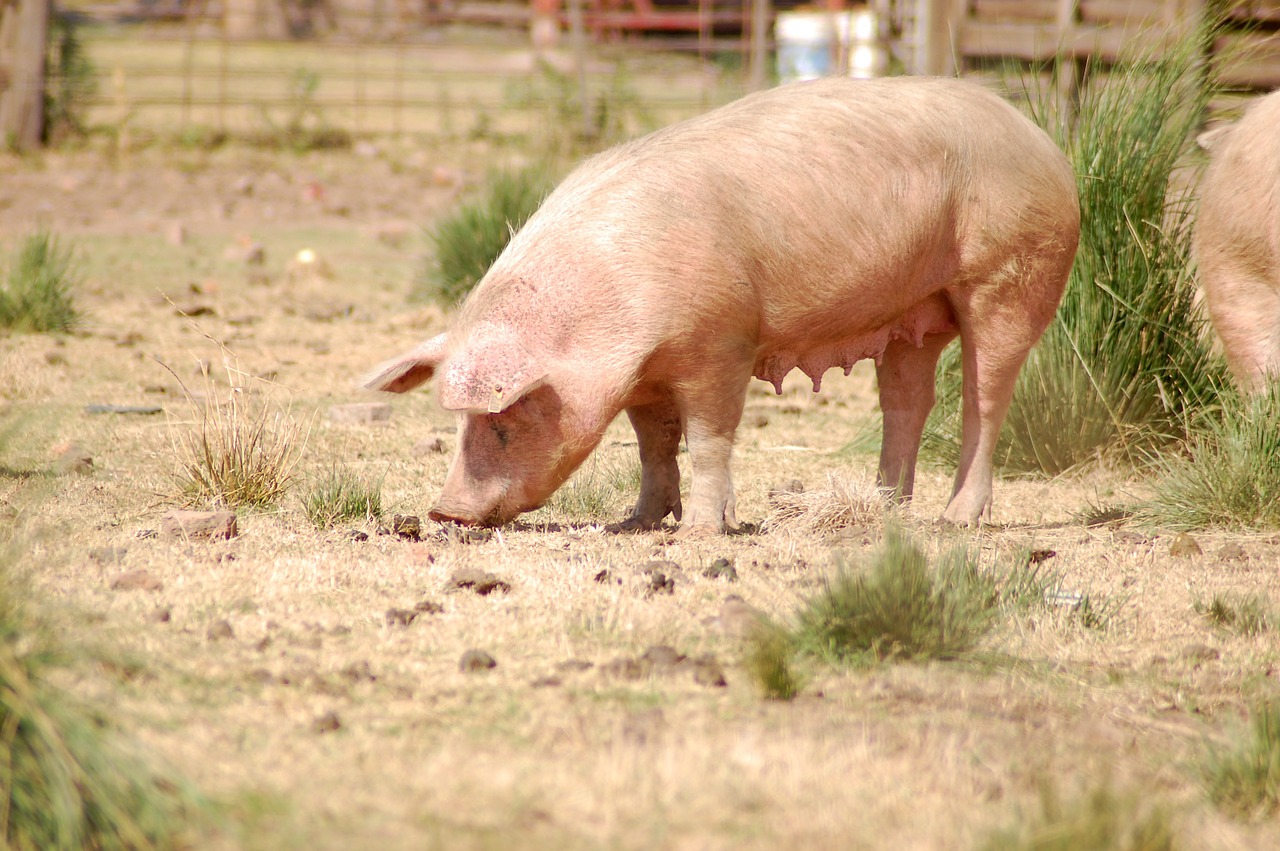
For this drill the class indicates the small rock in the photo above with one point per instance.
(721, 568)
(663, 657)
(1200, 653)
(626, 668)
(1040, 556)
(430, 446)
(360, 413)
(575, 665)
(660, 583)
(108, 555)
(738, 619)
(161, 615)
(145, 410)
(455, 534)
(357, 535)
(708, 672)
(1185, 546)
(476, 660)
(406, 526)
(134, 580)
(359, 672)
(199, 524)
(219, 631)
(71, 459)
(326, 723)
(479, 581)
(400, 617)
(1232, 551)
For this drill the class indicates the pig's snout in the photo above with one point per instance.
(448, 511)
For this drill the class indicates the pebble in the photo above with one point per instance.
(476, 660)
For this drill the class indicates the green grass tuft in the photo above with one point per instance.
(39, 293)
(769, 658)
(1100, 820)
(341, 496)
(466, 242)
(1244, 781)
(900, 607)
(600, 491)
(1228, 478)
(1246, 615)
(1126, 361)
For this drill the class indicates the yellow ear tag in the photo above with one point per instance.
(495, 400)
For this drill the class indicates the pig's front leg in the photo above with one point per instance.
(711, 418)
(658, 430)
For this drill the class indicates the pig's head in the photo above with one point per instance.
(519, 435)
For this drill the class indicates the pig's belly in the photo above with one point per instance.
(813, 358)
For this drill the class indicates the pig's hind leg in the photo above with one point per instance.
(658, 428)
(906, 375)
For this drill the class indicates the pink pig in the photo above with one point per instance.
(810, 226)
(1237, 241)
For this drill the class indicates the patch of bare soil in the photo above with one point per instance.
(341, 688)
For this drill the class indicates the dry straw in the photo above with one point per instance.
(845, 502)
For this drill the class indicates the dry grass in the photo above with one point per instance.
(845, 502)
(925, 755)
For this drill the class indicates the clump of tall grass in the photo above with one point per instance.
(38, 294)
(1101, 819)
(1228, 478)
(467, 241)
(1244, 780)
(241, 451)
(1247, 615)
(67, 781)
(769, 661)
(1125, 362)
(339, 495)
(899, 606)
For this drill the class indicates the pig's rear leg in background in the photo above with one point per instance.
(1246, 315)
(996, 335)
(905, 375)
(658, 429)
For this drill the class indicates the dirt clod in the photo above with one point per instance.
(1040, 556)
(357, 535)
(327, 723)
(406, 526)
(476, 660)
(1232, 551)
(708, 672)
(663, 657)
(1185, 546)
(479, 581)
(721, 568)
(359, 672)
(161, 615)
(660, 583)
(134, 580)
(220, 631)
(400, 617)
(72, 459)
(428, 607)
(199, 524)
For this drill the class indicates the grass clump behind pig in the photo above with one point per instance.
(1125, 363)
(467, 241)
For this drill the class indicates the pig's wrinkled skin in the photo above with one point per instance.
(807, 226)
(1237, 241)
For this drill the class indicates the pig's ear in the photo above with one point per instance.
(410, 369)
(1213, 137)
(489, 376)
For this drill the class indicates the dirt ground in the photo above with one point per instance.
(557, 746)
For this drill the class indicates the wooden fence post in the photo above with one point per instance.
(24, 41)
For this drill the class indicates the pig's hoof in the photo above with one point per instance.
(635, 524)
(697, 530)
